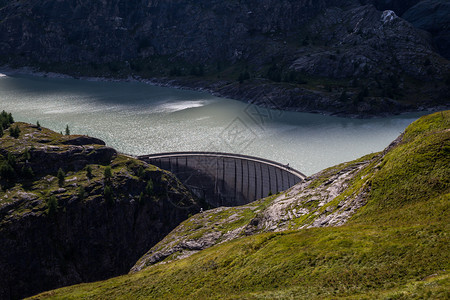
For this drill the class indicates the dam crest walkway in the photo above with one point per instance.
(226, 179)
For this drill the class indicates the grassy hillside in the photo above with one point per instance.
(395, 247)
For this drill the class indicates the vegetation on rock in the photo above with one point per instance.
(56, 227)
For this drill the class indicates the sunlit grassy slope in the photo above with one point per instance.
(395, 247)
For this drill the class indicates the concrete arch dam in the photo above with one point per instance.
(225, 179)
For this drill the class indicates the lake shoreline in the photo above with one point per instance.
(250, 93)
(140, 119)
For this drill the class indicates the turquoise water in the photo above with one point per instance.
(138, 118)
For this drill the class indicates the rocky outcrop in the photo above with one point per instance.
(70, 153)
(87, 228)
(335, 57)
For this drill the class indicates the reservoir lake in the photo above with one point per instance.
(137, 118)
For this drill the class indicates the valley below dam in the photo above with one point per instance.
(139, 119)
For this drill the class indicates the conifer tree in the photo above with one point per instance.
(61, 177)
(89, 172)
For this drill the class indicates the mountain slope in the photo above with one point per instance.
(395, 246)
(295, 55)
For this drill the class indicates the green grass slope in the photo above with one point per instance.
(395, 247)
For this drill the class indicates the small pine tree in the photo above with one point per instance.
(61, 177)
(141, 198)
(67, 130)
(26, 154)
(52, 206)
(14, 131)
(141, 172)
(149, 188)
(89, 172)
(38, 125)
(10, 118)
(107, 174)
(7, 171)
(1, 131)
(11, 159)
(27, 172)
(107, 193)
(81, 192)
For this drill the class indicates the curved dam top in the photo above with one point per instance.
(226, 179)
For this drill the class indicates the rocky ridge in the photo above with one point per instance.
(337, 57)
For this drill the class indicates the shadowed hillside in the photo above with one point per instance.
(349, 57)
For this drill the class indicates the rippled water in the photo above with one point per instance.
(137, 118)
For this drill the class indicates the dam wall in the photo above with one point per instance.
(224, 179)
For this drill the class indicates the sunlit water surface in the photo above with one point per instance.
(137, 118)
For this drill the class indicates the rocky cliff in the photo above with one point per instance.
(90, 223)
(337, 57)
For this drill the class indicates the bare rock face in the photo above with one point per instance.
(368, 42)
(432, 16)
(73, 157)
(84, 140)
